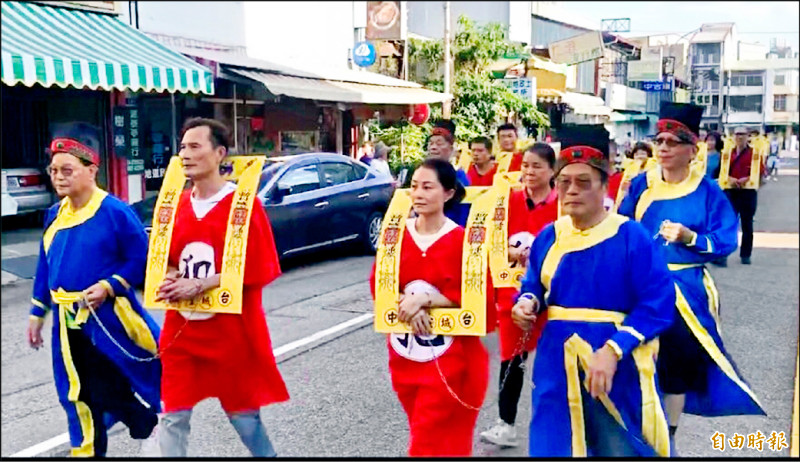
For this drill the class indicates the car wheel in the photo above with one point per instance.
(372, 232)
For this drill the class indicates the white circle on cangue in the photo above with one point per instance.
(522, 240)
(197, 262)
(420, 348)
(608, 203)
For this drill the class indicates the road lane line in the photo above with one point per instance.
(774, 240)
(794, 450)
(63, 438)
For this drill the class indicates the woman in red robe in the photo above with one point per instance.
(441, 380)
(530, 209)
(205, 355)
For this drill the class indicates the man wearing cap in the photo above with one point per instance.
(595, 393)
(91, 259)
(693, 224)
(742, 196)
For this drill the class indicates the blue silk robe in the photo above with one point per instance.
(103, 241)
(608, 283)
(699, 204)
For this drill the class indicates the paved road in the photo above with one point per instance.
(342, 404)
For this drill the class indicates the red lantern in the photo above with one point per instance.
(419, 114)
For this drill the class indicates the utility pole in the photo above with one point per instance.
(446, 106)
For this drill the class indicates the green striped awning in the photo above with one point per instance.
(65, 47)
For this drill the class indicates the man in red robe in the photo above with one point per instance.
(205, 355)
(507, 136)
(483, 168)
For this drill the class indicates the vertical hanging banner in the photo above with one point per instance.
(470, 317)
(126, 137)
(227, 298)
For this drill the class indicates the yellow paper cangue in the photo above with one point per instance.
(470, 317)
(227, 298)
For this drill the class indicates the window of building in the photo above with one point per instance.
(745, 103)
(780, 103)
(741, 79)
(780, 79)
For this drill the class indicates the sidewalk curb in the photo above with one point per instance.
(9, 279)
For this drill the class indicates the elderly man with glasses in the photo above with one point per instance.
(694, 224)
(595, 393)
(91, 259)
(742, 194)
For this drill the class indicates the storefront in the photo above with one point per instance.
(82, 73)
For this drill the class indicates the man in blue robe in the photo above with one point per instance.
(91, 258)
(607, 294)
(694, 224)
(441, 145)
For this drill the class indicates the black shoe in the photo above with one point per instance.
(722, 262)
(745, 260)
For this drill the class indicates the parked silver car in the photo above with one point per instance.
(26, 190)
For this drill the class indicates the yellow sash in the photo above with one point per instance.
(760, 146)
(227, 298)
(631, 169)
(502, 273)
(700, 162)
(470, 317)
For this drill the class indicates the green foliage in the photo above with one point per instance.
(413, 142)
(480, 104)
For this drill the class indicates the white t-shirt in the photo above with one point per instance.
(425, 241)
(381, 166)
(201, 207)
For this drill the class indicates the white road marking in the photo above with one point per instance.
(788, 171)
(774, 240)
(63, 438)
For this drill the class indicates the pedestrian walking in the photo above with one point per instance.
(103, 342)
(530, 209)
(639, 159)
(507, 137)
(594, 389)
(440, 146)
(773, 159)
(482, 170)
(440, 380)
(735, 179)
(205, 355)
(366, 152)
(380, 163)
(686, 212)
(715, 145)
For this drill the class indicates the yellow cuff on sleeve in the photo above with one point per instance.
(616, 348)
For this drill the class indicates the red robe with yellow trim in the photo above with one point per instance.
(522, 219)
(440, 425)
(228, 356)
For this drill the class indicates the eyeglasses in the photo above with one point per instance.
(563, 184)
(669, 142)
(66, 172)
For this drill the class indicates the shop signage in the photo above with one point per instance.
(384, 21)
(127, 137)
(656, 86)
(574, 50)
(524, 87)
(644, 70)
(364, 54)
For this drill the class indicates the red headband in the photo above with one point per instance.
(582, 155)
(77, 149)
(678, 129)
(439, 131)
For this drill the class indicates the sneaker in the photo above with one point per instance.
(745, 260)
(502, 434)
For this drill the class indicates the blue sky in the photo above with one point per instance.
(755, 21)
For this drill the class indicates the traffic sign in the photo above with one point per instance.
(364, 54)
